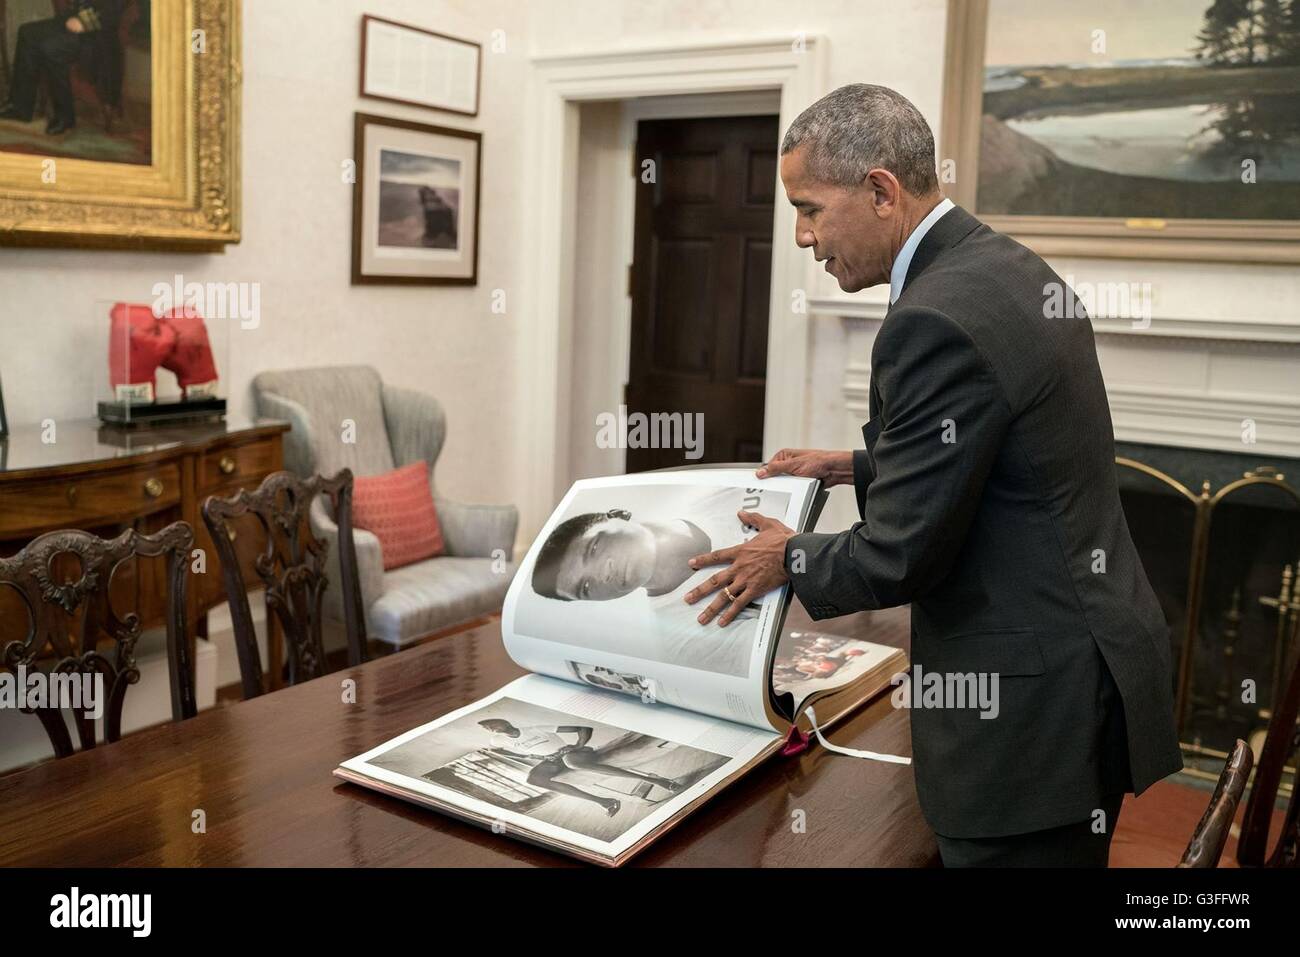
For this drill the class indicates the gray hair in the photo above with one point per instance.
(860, 127)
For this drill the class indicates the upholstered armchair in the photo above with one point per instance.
(347, 417)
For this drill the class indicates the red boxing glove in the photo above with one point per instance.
(137, 343)
(191, 358)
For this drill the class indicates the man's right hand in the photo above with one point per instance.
(833, 468)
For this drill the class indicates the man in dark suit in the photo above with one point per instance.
(46, 49)
(988, 499)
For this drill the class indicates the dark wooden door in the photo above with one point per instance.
(700, 284)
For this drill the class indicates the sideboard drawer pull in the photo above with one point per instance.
(153, 487)
(227, 465)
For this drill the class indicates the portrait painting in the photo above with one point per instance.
(119, 123)
(78, 79)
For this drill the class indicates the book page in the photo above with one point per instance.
(599, 598)
(811, 663)
(574, 766)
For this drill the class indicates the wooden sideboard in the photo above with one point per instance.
(104, 479)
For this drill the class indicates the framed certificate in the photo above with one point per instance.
(406, 64)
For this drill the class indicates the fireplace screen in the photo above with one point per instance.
(1224, 565)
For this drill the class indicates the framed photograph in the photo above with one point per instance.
(1088, 130)
(419, 67)
(119, 123)
(415, 203)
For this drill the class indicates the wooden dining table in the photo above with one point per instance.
(250, 783)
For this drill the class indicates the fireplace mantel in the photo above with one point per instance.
(1224, 385)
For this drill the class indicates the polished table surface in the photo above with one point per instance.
(259, 771)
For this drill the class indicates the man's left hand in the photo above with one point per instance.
(753, 569)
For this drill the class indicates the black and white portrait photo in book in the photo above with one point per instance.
(577, 773)
(627, 549)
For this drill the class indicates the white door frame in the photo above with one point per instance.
(693, 106)
(795, 67)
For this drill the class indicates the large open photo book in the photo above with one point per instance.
(633, 713)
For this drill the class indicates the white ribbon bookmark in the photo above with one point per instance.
(851, 752)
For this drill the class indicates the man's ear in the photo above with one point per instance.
(885, 191)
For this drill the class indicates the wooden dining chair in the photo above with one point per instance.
(71, 614)
(1281, 745)
(1211, 834)
(291, 567)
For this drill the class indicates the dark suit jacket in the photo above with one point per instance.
(1009, 542)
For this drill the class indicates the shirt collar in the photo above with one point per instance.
(898, 274)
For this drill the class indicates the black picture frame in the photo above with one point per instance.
(4, 423)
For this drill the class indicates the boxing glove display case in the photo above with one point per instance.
(162, 364)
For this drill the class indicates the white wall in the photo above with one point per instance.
(601, 309)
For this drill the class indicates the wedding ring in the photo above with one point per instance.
(726, 591)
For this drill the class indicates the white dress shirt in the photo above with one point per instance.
(898, 274)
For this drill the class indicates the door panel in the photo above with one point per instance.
(701, 282)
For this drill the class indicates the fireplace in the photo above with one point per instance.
(1219, 536)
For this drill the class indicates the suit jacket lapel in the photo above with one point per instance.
(952, 227)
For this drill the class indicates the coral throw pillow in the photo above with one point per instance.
(398, 507)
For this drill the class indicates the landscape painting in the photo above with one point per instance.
(419, 200)
(415, 202)
(1165, 109)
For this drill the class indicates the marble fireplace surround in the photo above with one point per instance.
(1180, 386)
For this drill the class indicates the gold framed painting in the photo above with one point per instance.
(1084, 129)
(119, 123)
